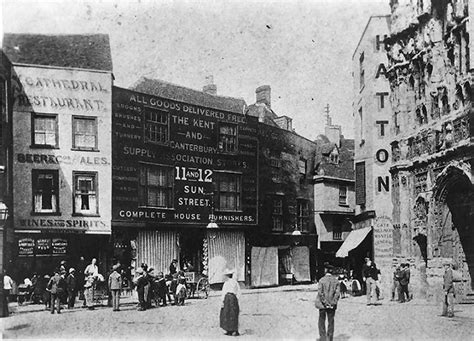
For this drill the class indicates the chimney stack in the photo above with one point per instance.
(264, 95)
(209, 87)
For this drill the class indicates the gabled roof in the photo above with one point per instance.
(84, 51)
(164, 89)
(344, 169)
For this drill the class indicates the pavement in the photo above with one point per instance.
(285, 312)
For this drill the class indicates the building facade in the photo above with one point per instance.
(184, 179)
(372, 122)
(334, 195)
(430, 73)
(283, 248)
(62, 158)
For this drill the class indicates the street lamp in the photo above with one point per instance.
(297, 235)
(3, 219)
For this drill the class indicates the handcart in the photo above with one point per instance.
(197, 285)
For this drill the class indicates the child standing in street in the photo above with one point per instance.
(180, 292)
(115, 287)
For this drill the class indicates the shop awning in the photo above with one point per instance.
(352, 241)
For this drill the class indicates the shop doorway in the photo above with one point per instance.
(191, 250)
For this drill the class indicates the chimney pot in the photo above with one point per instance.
(209, 86)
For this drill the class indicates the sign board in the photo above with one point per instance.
(26, 247)
(188, 148)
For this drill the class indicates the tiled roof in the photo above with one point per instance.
(164, 89)
(85, 51)
(344, 169)
(264, 114)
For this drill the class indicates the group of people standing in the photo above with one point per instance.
(401, 280)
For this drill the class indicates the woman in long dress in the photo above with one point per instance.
(229, 316)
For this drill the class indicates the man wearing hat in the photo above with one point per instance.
(115, 287)
(448, 288)
(370, 275)
(326, 302)
(141, 282)
(71, 287)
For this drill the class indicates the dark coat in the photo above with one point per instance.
(71, 283)
(370, 271)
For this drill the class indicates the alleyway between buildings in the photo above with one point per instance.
(274, 313)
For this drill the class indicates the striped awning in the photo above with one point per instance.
(352, 241)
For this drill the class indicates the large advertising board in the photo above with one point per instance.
(191, 148)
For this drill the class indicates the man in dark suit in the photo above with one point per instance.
(328, 296)
(71, 287)
(404, 280)
(56, 287)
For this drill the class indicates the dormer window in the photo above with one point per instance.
(334, 156)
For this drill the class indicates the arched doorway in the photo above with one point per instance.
(453, 230)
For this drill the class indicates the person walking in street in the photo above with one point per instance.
(370, 275)
(7, 289)
(448, 289)
(326, 302)
(229, 314)
(56, 287)
(115, 287)
(71, 286)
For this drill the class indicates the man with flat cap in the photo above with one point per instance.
(326, 302)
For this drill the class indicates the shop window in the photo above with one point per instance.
(45, 191)
(85, 193)
(229, 190)
(342, 195)
(157, 127)
(45, 130)
(228, 138)
(156, 186)
(84, 130)
(303, 215)
(277, 213)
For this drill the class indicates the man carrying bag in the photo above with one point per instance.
(326, 302)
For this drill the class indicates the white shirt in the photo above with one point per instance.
(231, 286)
(7, 282)
(92, 269)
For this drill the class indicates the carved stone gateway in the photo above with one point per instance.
(452, 225)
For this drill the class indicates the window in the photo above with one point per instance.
(45, 191)
(342, 195)
(337, 232)
(45, 130)
(156, 186)
(302, 166)
(361, 126)
(85, 193)
(360, 183)
(361, 71)
(84, 130)
(228, 138)
(277, 213)
(229, 191)
(334, 156)
(303, 215)
(156, 127)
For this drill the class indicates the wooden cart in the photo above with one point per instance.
(197, 285)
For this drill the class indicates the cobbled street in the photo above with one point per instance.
(274, 313)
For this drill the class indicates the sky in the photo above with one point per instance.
(302, 49)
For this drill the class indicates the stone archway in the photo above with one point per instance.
(452, 234)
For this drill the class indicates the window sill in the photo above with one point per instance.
(343, 205)
(85, 215)
(86, 149)
(43, 146)
(46, 214)
(229, 211)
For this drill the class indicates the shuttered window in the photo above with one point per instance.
(360, 183)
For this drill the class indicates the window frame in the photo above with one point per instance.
(343, 195)
(35, 173)
(95, 176)
(148, 122)
(277, 216)
(35, 115)
(143, 188)
(219, 177)
(90, 118)
(236, 145)
(302, 163)
(303, 220)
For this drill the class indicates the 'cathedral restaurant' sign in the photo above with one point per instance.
(168, 157)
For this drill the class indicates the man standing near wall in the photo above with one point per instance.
(448, 288)
(370, 275)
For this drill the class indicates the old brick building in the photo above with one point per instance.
(431, 59)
